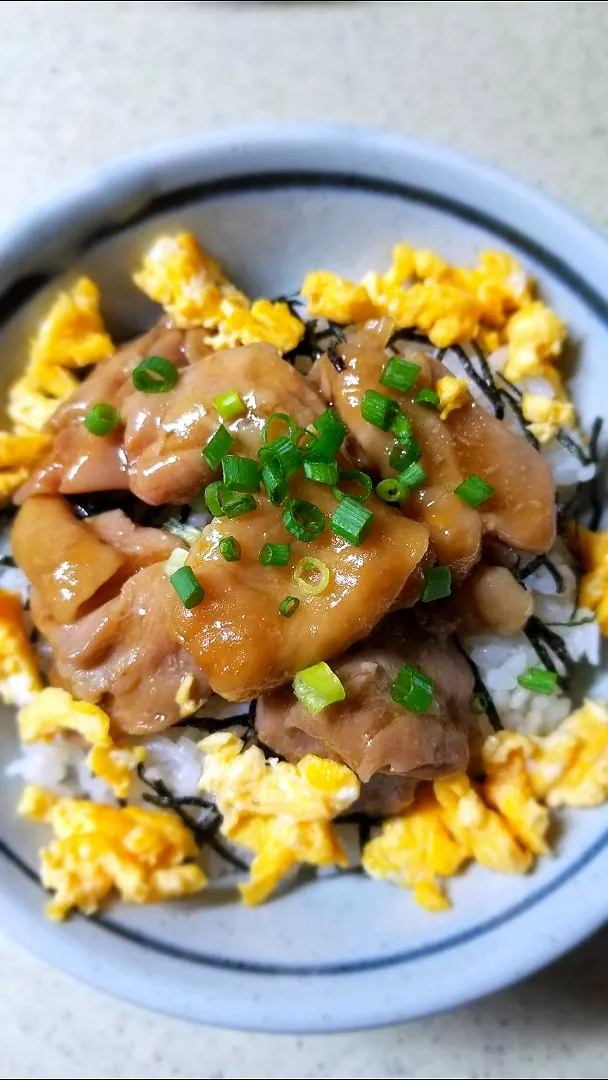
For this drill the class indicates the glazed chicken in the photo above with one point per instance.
(120, 635)
(521, 512)
(379, 739)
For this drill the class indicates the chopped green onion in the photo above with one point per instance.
(304, 440)
(230, 405)
(317, 583)
(538, 680)
(288, 606)
(438, 584)
(285, 452)
(230, 549)
(176, 559)
(275, 554)
(188, 533)
(378, 409)
(390, 490)
(428, 398)
(330, 421)
(479, 703)
(361, 478)
(303, 520)
(187, 587)
(474, 491)
(102, 419)
(273, 479)
(155, 375)
(402, 429)
(317, 687)
(400, 374)
(402, 456)
(239, 505)
(221, 502)
(413, 689)
(412, 477)
(351, 520)
(213, 500)
(218, 446)
(322, 472)
(332, 432)
(279, 418)
(240, 473)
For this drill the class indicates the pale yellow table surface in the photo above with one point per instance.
(524, 85)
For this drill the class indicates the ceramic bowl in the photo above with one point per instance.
(270, 203)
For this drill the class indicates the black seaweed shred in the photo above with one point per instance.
(205, 833)
(535, 564)
(481, 688)
(7, 560)
(335, 359)
(545, 641)
(486, 385)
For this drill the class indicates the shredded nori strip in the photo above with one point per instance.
(572, 446)
(7, 560)
(203, 833)
(481, 688)
(487, 386)
(541, 560)
(540, 630)
(335, 359)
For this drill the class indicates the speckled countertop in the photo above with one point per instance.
(524, 85)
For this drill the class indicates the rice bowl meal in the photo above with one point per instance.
(305, 580)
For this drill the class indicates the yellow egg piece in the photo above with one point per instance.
(19, 678)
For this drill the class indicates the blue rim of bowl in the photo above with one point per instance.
(23, 289)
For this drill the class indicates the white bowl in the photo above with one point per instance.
(270, 203)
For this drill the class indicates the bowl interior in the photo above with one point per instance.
(336, 951)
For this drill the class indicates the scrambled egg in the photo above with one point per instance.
(453, 393)
(19, 678)
(188, 705)
(193, 290)
(281, 812)
(491, 303)
(142, 854)
(70, 336)
(592, 548)
(546, 415)
(53, 711)
(569, 767)
(502, 823)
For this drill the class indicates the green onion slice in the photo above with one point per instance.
(317, 687)
(102, 419)
(438, 584)
(351, 520)
(312, 576)
(230, 549)
(155, 375)
(402, 429)
(188, 533)
(187, 587)
(230, 405)
(400, 374)
(402, 456)
(322, 472)
(288, 606)
(279, 418)
(176, 559)
(390, 490)
(361, 478)
(479, 703)
(221, 502)
(413, 689)
(275, 554)
(285, 452)
(474, 491)
(538, 680)
(273, 479)
(218, 446)
(378, 409)
(411, 478)
(428, 398)
(240, 473)
(303, 520)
